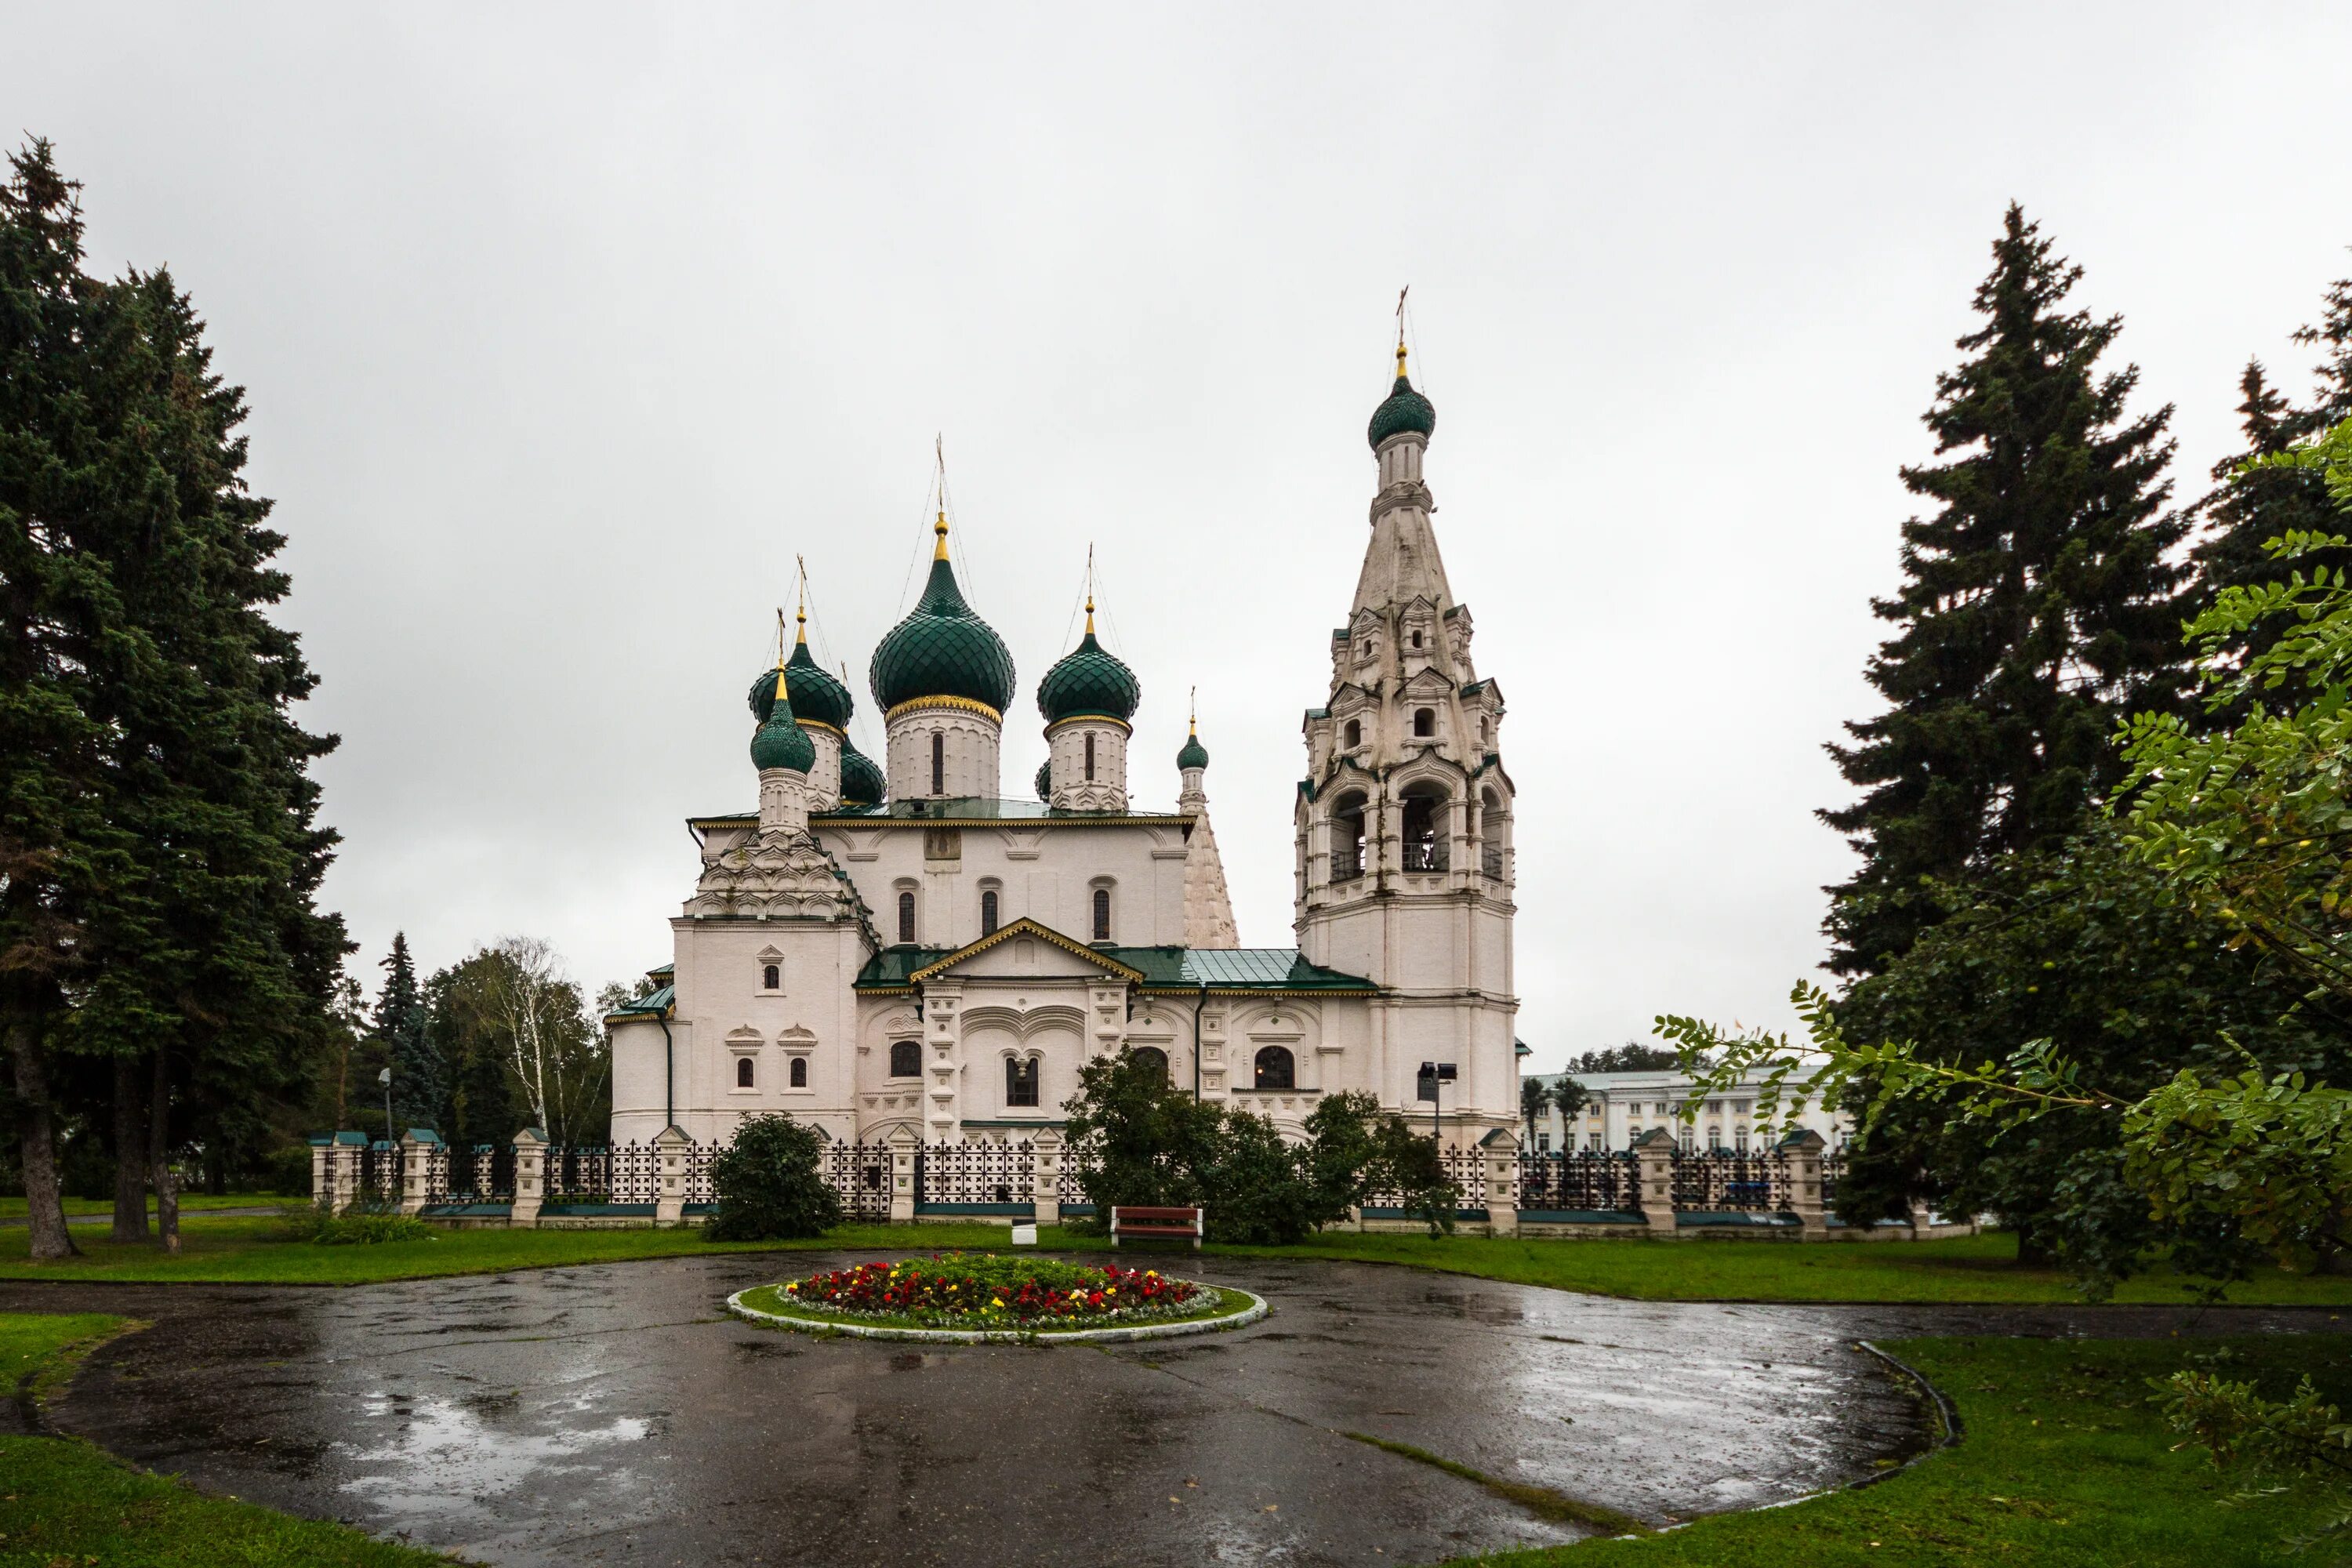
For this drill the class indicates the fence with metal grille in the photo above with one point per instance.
(1832, 1169)
(481, 1174)
(975, 1172)
(860, 1174)
(1730, 1184)
(380, 1173)
(1589, 1183)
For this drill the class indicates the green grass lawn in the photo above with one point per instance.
(1981, 1269)
(63, 1502)
(2064, 1465)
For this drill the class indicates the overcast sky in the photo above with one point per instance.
(566, 329)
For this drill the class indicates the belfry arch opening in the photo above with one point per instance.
(1422, 833)
(1347, 837)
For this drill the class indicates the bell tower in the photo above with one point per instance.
(1404, 870)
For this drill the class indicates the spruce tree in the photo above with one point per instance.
(2037, 607)
(2247, 509)
(404, 1029)
(157, 820)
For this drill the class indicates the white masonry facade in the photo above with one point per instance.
(903, 946)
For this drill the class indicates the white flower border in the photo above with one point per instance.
(1250, 1314)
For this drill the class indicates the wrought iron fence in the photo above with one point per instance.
(1730, 1184)
(975, 1173)
(1832, 1169)
(1589, 1183)
(860, 1173)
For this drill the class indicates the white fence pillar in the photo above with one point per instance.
(530, 1174)
(1654, 1160)
(671, 1147)
(903, 1144)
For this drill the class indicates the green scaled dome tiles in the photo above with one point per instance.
(861, 777)
(1194, 755)
(942, 650)
(817, 693)
(1404, 410)
(1046, 780)
(1090, 681)
(781, 742)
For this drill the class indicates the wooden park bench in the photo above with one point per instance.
(1158, 1224)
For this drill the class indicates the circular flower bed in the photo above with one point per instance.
(984, 1295)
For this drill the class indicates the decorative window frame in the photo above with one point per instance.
(797, 1044)
(744, 1044)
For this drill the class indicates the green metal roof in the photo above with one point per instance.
(1163, 968)
(658, 1000)
(941, 649)
(1405, 409)
(1089, 681)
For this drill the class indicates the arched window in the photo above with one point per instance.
(1425, 845)
(1020, 1081)
(1348, 839)
(906, 917)
(1091, 759)
(1274, 1068)
(906, 1059)
(744, 1070)
(1424, 721)
(1355, 733)
(771, 977)
(1102, 914)
(988, 913)
(800, 1072)
(1153, 1055)
(939, 763)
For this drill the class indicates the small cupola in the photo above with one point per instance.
(1087, 700)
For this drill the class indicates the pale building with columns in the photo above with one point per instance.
(901, 946)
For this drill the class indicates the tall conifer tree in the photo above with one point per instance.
(405, 1027)
(154, 788)
(2247, 509)
(2037, 607)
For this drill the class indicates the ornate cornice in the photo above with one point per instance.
(1405, 492)
(1121, 725)
(948, 704)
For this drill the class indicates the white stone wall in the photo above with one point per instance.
(1067, 782)
(1046, 870)
(968, 753)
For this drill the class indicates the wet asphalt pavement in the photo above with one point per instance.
(613, 1415)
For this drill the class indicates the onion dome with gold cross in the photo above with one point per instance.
(1089, 682)
(942, 653)
(1404, 410)
(780, 741)
(861, 776)
(818, 694)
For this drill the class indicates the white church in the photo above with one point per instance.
(902, 946)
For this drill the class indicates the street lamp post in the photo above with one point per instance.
(1432, 1075)
(385, 1077)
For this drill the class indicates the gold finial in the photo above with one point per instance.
(1400, 314)
(1194, 704)
(778, 694)
(940, 551)
(1090, 615)
(800, 610)
(1400, 358)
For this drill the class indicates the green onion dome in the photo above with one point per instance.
(780, 741)
(1046, 780)
(1404, 410)
(818, 694)
(1194, 755)
(1090, 681)
(861, 777)
(942, 650)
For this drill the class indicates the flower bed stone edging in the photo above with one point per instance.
(1256, 1308)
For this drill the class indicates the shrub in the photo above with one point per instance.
(767, 1184)
(320, 1226)
(1138, 1140)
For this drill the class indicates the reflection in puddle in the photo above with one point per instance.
(439, 1456)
